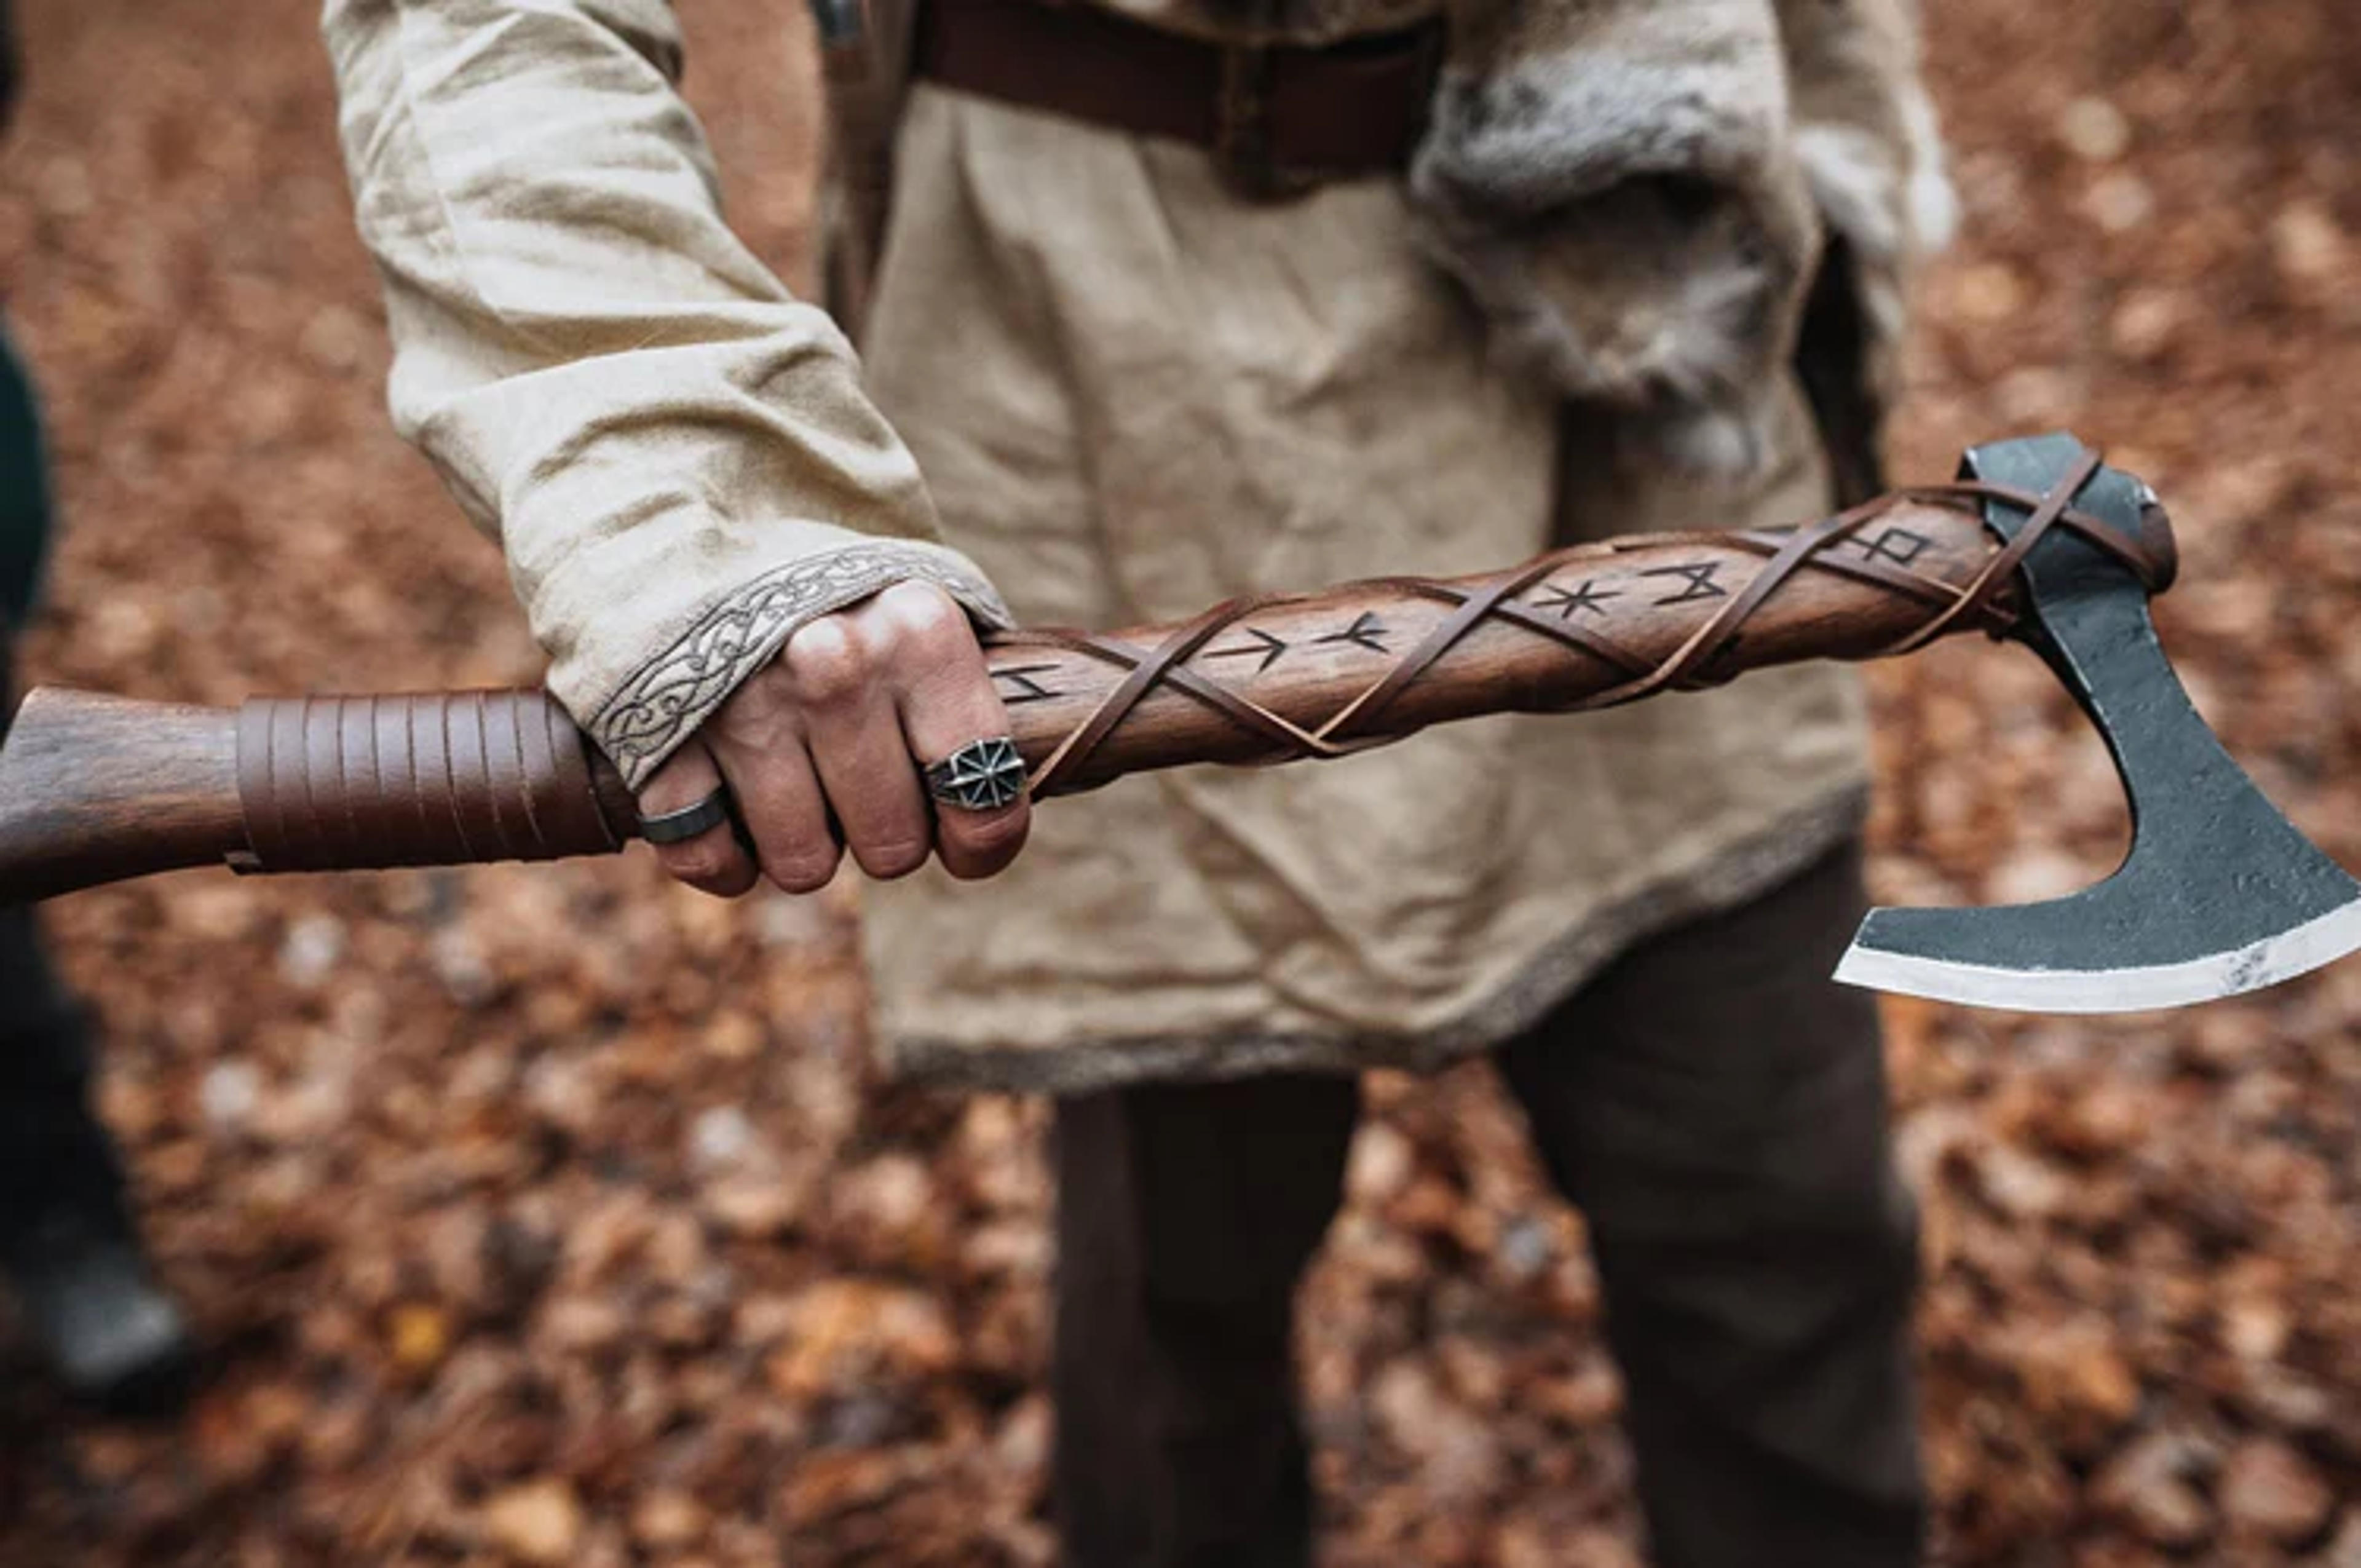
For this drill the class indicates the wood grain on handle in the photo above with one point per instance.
(1582, 625)
(95, 789)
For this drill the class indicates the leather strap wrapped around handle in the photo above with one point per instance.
(453, 778)
(93, 789)
(1279, 679)
(330, 783)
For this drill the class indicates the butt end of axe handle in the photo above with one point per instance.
(97, 789)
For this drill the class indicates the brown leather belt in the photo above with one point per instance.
(1278, 118)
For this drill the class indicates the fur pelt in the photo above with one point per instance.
(1637, 194)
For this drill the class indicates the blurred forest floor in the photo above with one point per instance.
(551, 1216)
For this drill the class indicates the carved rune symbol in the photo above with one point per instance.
(1265, 645)
(1898, 545)
(1698, 575)
(1364, 633)
(1026, 688)
(1571, 603)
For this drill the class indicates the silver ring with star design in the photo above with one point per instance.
(982, 775)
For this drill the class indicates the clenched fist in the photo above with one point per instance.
(824, 750)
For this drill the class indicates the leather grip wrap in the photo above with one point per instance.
(438, 779)
(1303, 676)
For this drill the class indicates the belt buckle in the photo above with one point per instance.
(1242, 127)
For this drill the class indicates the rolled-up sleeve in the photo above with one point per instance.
(674, 453)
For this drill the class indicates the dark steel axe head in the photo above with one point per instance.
(2219, 894)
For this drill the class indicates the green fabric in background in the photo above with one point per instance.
(24, 510)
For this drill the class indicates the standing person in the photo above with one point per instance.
(69, 1251)
(1175, 300)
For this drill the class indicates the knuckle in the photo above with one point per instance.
(828, 662)
(925, 618)
(758, 700)
(803, 870)
(697, 863)
(889, 860)
(996, 840)
(700, 865)
(797, 850)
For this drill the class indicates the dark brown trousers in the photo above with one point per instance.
(1717, 1108)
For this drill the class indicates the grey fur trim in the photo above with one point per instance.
(1934, 203)
(662, 704)
(1750, 868)
(1613, 183)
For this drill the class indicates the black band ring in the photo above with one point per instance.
(689, 821)
(982, 775)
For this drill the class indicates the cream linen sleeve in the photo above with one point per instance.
(675, 454)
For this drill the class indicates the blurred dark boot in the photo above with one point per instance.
(112, 1336)
(69, 1250)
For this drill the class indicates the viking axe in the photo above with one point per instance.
(2038, 541)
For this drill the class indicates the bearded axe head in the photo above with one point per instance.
(2219, 894)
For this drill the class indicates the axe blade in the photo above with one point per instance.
(2219, 894)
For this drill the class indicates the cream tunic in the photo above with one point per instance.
(1133, 397)
(1130, 396)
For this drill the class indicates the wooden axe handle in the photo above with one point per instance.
(93, 789)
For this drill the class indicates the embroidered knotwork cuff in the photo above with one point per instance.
(661, 704)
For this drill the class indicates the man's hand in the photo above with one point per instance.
(824, 748)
